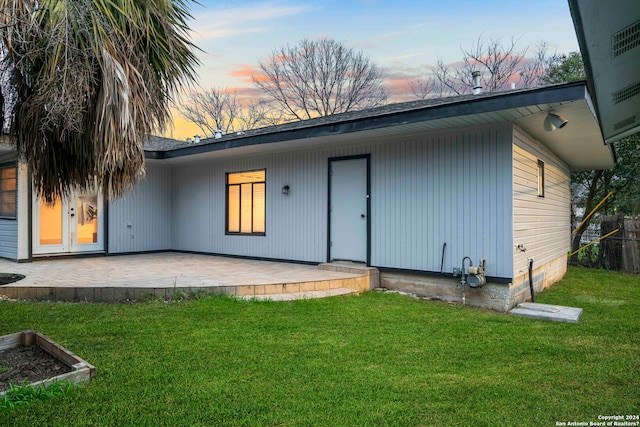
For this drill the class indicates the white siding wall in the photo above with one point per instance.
(540, 224)
(296, 224)
(197, 207)
(9, 238)
(147, 209)
(24, 208)
(448, 187)
(451, 187)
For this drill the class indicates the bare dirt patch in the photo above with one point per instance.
(28, 364)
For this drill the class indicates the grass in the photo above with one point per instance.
(21, 395)
(375, 359)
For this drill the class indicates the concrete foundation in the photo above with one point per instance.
(494, 296)
(491, 295)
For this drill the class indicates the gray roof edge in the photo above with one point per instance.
(576, 15)
(376, 118)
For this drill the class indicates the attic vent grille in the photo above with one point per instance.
(624, 123)
(626, 93)
(625, 40)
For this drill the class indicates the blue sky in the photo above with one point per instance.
(403, 37)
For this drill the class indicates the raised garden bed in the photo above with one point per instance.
(50, 360)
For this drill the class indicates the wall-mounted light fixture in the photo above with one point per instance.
(285, 189)
(554, 121)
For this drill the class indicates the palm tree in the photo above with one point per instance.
(91, 80)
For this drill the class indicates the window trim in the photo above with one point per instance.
(11, 165)
(226, 207)
(540, 178)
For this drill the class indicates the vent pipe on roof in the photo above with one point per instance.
(477, 89)
(217, 134)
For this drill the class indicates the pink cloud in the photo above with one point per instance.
(247, 73)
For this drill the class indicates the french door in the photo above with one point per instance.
(72, 225)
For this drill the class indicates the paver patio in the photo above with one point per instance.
(161, 275)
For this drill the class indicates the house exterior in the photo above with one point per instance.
(410, 188)
(608, 34)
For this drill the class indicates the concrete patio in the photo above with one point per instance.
(163, 275)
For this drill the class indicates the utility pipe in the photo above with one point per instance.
(533, 298)
(463, 280)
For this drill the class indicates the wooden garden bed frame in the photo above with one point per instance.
(81, 370)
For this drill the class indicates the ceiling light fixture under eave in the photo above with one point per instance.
(554, 121)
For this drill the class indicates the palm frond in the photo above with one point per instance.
(93, 79)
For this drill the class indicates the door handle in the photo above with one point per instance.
(361, 215)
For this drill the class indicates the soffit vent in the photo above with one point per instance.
(624, 123)
(625, 40)
(626, 93)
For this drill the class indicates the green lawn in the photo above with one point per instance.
(374, 359)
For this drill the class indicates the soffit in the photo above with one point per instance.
(609, 37)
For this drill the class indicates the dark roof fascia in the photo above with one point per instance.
(483, 104)
(574, 8)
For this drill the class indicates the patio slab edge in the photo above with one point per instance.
(128, 294)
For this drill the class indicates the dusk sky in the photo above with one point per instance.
(405, 38)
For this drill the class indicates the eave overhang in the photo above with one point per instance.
(609, 37)
(580, 144)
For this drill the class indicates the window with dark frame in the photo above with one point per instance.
(246, 201)
(8, 185)
(540, 178)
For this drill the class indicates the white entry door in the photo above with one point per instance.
(348, 221)
(72, 225)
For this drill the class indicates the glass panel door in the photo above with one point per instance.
(86, 223)
(68, 226)
(51, 229)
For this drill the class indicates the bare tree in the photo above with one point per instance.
(428, 87)
(259, 113)
(534, 70)
(217, 109)
(500, 64)
(319, 78)
(211, 110)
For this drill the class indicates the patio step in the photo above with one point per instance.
(370, 276)
(302, 295)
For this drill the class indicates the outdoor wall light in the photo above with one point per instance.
(285, 189)
(553, 122)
